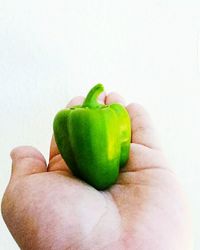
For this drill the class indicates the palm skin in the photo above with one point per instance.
(46, 207)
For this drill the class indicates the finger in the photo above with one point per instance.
(53, 147)
(102, 97)
(58, 164)
(75, 101)
(114, 97)
(27, 160)
(142, 130)
(142, 157)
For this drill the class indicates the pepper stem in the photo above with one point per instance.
(91, 98)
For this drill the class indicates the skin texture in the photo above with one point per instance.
(46, 207)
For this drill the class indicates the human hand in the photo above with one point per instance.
(46, 207)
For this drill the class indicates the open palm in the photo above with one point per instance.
(46, 207)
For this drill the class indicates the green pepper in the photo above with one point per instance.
(94, 139)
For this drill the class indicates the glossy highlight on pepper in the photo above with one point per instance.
(94, 139)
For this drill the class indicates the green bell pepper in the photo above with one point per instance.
(94, 139)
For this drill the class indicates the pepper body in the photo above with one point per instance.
(94, 139)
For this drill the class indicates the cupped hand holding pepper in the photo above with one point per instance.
(46, 207)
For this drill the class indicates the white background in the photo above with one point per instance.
(147, 50)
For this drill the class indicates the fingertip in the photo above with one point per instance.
(26, 151)
(102, 97)
(78, 100)
(75, 101)
(137, 108)
(114, 97)
(27, 160)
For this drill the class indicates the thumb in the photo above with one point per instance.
(27, 160)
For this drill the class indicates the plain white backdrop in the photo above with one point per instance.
(148, 51)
